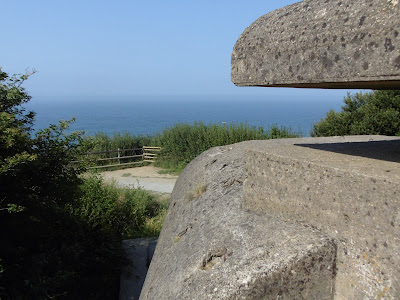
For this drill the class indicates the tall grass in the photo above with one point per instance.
(73, 250)
(120, 212)
(183, 142)
(103, 142)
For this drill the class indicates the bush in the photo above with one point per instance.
(119, 212)
(376, 112)
(61, 233)
(45, 252)
(42, 246)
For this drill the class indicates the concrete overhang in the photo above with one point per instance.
(322, 44)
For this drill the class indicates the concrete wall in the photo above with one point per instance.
(283, 219)
(309, 218)
(211, 247)
(350, 191)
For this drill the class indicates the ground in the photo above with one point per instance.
(146, 177)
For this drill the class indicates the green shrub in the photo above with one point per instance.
(376, 112)
(61, 233)
(46, 252)
(119, 212)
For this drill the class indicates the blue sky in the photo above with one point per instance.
(120, 47)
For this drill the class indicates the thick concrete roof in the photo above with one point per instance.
(322, 44)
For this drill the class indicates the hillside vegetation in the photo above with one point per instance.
(183, 142)
(376, 112)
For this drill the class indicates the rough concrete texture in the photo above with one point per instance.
(210, 247)
(322, 44)
(139, 253)
(308, 218)
(351, 191)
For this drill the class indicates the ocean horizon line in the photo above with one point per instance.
(149, 117)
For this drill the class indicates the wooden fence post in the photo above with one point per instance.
(147, 155)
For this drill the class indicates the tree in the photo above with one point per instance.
(376, 112)
(15, 142)
(61, 232)
(42, 242)
(30, 166)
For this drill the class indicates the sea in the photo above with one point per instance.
(147, 115)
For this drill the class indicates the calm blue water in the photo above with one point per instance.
(151, 114)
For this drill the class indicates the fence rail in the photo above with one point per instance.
(139, 155)
(118, 150)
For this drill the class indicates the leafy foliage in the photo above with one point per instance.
(15, 143)
(376, 112)
(41, 242)
(119, 212)
(61, 232)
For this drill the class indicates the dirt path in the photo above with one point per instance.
(146, 177)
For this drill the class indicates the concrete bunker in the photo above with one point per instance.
(309, 218)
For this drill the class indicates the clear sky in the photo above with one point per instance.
(121, 47)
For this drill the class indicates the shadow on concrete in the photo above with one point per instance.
(381, 150)
(139, 252)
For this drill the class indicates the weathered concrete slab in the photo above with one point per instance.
(322, 44)
(255, 220)
(212, 248)
(139, 253)
(350, 191)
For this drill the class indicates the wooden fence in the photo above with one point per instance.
(122, 157)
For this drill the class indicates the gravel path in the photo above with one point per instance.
(146, 177)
